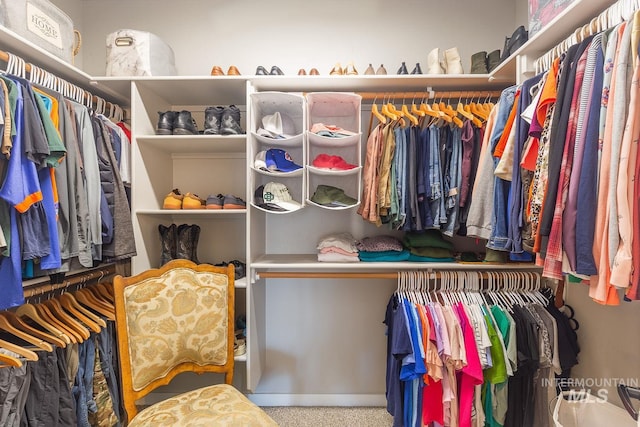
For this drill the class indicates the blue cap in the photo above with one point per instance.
(279, 160)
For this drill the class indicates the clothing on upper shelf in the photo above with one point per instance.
(62, 197)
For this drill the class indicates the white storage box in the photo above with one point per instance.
(138, 53)
(41, 23)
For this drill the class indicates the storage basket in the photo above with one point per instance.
(138, 53)
(41, 23)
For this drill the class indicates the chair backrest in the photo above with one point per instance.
(177, 318)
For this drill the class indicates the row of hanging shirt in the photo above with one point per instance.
(419, 166)
(63, 202)
(460, 357)
(570, 194)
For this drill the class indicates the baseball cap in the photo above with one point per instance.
(327, 161)
(275, 160)
(277, 125)
(275, 196)
(328, 195)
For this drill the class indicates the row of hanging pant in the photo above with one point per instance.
(73, 386)
(475, 361)
(63, 202)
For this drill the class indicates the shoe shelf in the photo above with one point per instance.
(194, 143)
(576, 14)
(195, 213)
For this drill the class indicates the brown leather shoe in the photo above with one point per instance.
(217, 71)
(233, 71)
(314, 72)
(302, 72)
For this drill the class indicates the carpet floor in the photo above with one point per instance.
(302, 416)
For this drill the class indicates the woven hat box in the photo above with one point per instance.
(138, 53)
(42, 23)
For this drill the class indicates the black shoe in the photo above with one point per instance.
(417, 69)
(517, 39)
(168, 238)
(184, 124)
(212, 120)
(493, 59)
(230, 121)
(276, 71)
(239, 268)
(479, 63)
(261, 71)
(165, 122)
(403, 69)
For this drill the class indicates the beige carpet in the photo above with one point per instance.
(301, 416)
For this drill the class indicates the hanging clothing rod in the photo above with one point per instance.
(426, 94)
(4, 56)
(349, 275)
(80, 278)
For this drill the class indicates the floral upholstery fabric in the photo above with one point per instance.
(177, 317)
(218, 405)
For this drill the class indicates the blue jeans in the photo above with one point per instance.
(436, 198)
(83, 387)
(454, 178)
(499, 238)
(106, 347)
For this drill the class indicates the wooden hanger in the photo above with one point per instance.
(26, 353)
(7, 326)
(29, 310)
(57, 307)
(63, 321)
(88, 299)
(405, 111)
(10, 360)
(17, 322)
(105, 301)
(72, 305)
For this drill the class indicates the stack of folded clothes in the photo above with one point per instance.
(382, 248)
(339, 247)
(428, 246)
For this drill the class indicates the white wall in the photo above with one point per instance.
(299, 34)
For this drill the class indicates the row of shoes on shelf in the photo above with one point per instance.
(483, 62)
(218, 120)
(176, 200)
(446, 63)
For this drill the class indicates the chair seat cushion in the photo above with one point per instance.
(216, 405)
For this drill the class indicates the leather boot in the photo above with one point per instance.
(479, 63)
(493, 59)
(187, 242)
(403, 69)
(168, 238)
(453, 62)
(433, 62)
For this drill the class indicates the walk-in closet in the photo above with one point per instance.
(431, 207)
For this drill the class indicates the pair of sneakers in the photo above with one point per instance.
(176, 123)
(227, 201)
(222, 120)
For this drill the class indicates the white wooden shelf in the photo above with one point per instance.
(190, 212)
(577, 14)
(194, 143)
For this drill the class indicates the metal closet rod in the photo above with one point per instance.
(364, 275)
(4, 56)
(76, 279)
(465, 94)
